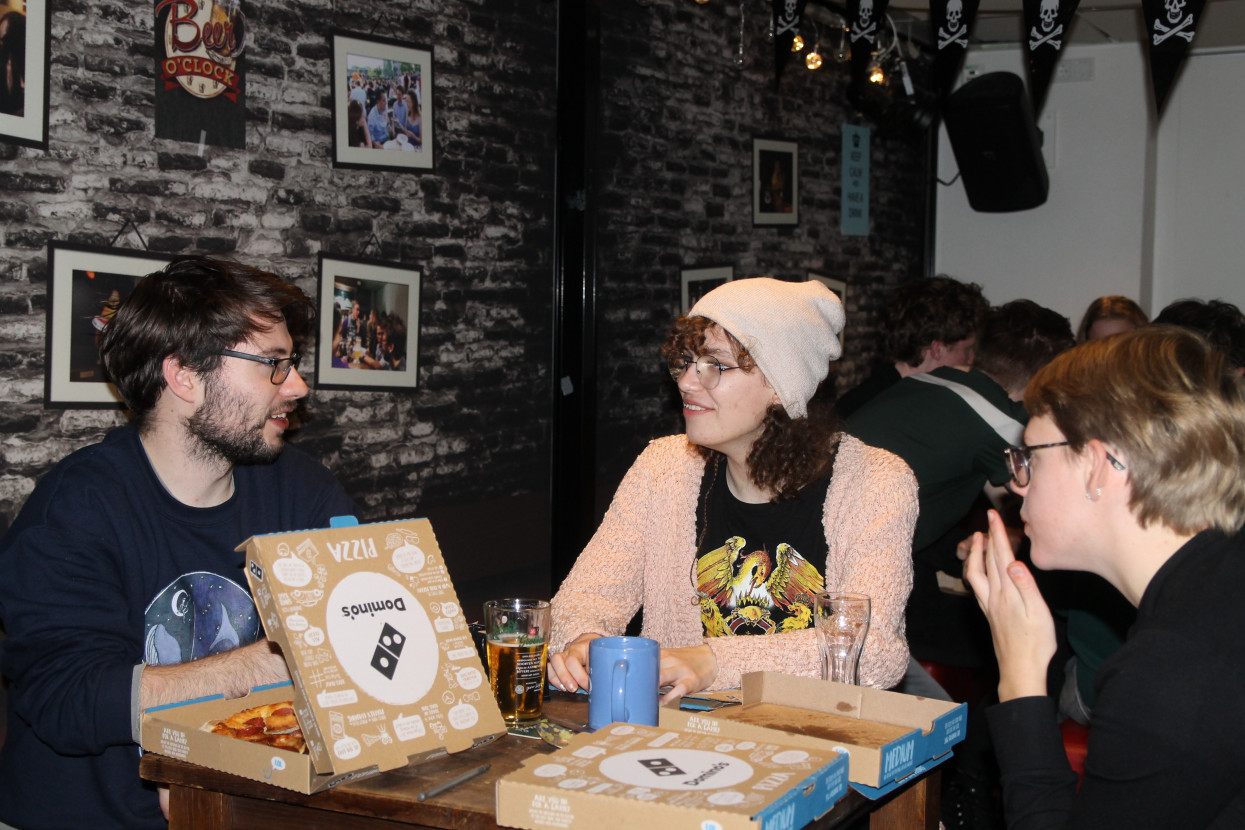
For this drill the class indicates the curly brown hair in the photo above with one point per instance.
(790, 453)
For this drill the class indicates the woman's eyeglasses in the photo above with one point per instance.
(708, 369)
(1018, 460)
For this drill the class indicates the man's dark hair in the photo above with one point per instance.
(192, 309)
(920, 311)
(1019, 338)
(1220, 322)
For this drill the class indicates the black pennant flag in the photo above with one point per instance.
(1169, 31)
(864, 23)
(952, 20)
(787, 14)
(1046, 29)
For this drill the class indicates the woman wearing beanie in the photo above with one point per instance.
(724, 534)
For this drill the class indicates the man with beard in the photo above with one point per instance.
(119, 585)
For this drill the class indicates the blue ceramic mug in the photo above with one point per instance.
(623, 672)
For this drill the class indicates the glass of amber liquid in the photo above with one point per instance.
(517, 643)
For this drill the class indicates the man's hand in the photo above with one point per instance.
(232, 674)
(686, 670)
(568, 669)
(1020, 621)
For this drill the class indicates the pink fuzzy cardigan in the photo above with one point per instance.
(643, 553)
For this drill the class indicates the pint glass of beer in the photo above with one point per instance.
(517, 641)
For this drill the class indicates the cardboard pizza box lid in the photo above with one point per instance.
(376, 641)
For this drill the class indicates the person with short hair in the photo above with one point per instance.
(922, 324)
(1132, 467)
(1220, 322)
(951, 426)
(724, 534)
(378, 120)
(120, 586)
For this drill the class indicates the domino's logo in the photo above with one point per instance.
(661, 767)
(383, 638)
(388, 650)
(256, 570)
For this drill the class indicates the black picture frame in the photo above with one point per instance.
(697, 282)
(365, 60)
(28, 125)
(775, 182)
(345, 360)
(86, 283)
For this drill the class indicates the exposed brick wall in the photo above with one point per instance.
(678, 120)
(478, 226)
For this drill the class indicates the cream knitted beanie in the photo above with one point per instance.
(791, 329)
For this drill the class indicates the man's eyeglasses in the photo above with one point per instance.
(281, 366)
(708, 369)
(1018, 461)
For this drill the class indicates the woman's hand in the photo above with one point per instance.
(686, 670)
(1020, 622)
(568, 669)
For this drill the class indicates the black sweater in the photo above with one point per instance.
(1167, 743)
(102, 570)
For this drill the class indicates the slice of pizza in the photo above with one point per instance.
(271, 724)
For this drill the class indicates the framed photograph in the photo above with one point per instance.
(368, 334)
(382, 104)
(775, 182)
(838, 287)
(86, 287)
(697, 282)
(24, 33)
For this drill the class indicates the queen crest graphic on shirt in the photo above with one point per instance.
(754, 592)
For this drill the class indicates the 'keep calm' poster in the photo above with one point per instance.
(200, 84)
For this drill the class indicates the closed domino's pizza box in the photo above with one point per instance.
(385, 671)
(888, 736)
(625, 776)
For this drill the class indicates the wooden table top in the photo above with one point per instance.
(205, 799)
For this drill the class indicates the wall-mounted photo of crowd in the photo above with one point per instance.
(369, 329)
(385, 106)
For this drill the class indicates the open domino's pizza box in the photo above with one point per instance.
(384, 669)
(889, 736)
(666, 777)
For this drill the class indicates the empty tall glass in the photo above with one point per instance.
(842, 620)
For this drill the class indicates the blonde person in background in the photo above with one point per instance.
(723, 534)
(1110, 315)
(1133, 468)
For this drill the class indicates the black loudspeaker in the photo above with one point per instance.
(997, 144)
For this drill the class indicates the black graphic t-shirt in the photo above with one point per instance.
(759, 565)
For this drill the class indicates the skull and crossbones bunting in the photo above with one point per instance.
(1169, 31)
(787, 15)
(1046, 29)
(864, 18)
(952, 20)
